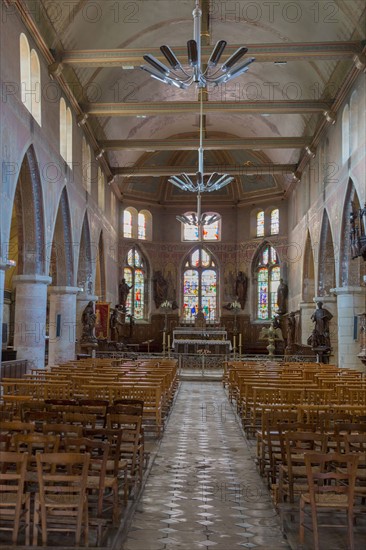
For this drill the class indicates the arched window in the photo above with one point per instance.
(210, 232)
(127, 224)
(86, 167)
(36, 86)
(354, 121)
(268, 280)
(135, 275)
(260, 224)
(141, 226)
(200, 285)
(345, 134)
(101, 189)
(275, 221)
(30, 78)
(65, 132)
(147, 231)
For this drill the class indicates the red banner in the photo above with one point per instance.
(102, 320)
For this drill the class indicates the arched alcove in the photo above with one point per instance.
(308, 275)
(350, 270)
(326, 259)
(84, 276)
(61, 264)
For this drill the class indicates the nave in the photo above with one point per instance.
(203, 490)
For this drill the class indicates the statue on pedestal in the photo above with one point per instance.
(319, 339)
(88, 320)
(160, 289)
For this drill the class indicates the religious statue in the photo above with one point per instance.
(241, 287)
(116, 324)
(123, 291)
(160, 289)
(321, 318)
(282, 293)
(291, 329)
(88, 320)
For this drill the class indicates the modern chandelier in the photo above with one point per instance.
(177, 75)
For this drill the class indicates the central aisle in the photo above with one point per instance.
(203, 490)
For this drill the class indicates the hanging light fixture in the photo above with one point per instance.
(201, 183)
(177, 75)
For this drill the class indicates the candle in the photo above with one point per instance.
(164, 339)
(240, 340)
(168, 341)
(234, 343)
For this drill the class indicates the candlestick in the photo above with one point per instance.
(234, 343)
(240, 340)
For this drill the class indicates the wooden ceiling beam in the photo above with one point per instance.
(219, 144)
(264, 53)
(211, 107)
(231, 169)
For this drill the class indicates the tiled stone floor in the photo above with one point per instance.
(203, 490)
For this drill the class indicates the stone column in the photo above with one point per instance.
(30, 318)
(306, 311)
(82, 300)
(62, 324)
(351, 303)
(2, 279)
(330, 303)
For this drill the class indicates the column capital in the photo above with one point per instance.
(325, 299)
(63, 289)
(32, 279)
(348, 290)
(85, 297)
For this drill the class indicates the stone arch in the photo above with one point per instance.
(61, 264)
(100, 276)
(326, 259)
(308, 273)
(85, 268)
(29, 215)
(349, 270)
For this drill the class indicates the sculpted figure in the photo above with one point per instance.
(282, 293)
(88, 319)
(241, 287)
(160, 289)
(321, 318)
(123, 291)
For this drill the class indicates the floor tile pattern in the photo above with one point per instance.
(203, 491)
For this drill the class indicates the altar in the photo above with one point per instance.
(191, 340)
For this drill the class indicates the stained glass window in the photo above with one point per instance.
(260, 224)
(275, 222)
(127, 224)
(134, 273)
(141, 226)
(200, 286)
(211, 232)
(268, 280)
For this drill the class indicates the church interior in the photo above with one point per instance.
(183, 273)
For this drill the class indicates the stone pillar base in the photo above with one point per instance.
(62, 324)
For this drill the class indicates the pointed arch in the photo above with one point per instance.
(350, 270)
(326, 259)
(135, 273)
(85, 266)
(200, 276)
(100, 276)
(29, 211)
(266, 273)
(308, 272)
(62, 264)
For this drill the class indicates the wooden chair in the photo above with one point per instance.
(14, 502)
(32, 444)
(356, 443)
(329, 489)
(292, 473)
(132, 447)
(98, 480)
(61, 503)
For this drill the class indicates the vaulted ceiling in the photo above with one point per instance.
(259, 127)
